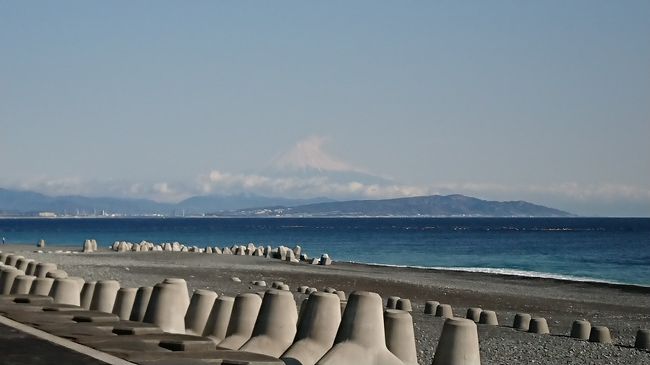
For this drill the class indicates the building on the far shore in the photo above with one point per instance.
(47, 214)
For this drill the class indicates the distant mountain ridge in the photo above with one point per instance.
(17, 202)
(427, 206)
(26, 203)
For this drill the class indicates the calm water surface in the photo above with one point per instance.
(607, 249)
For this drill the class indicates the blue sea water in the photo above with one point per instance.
(600, 249)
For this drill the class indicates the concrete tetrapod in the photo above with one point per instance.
(42, 268)
(458, 344)
(80, 281)
(600, 334)
(361, 337)
(319, 322)
(31, 267)
(22, 284)
(444, 311)
(167, 305)
(303, 307)
(3, 257)
(400, 336)
(521, 322)
(580, 329)
(66, 291)
(474, 314)
(7, 276)
(41, 286)
(391, 302)
(242, 320)
(430, 307)
(140, 303)
(104, 295)
(124, 302)
(22, 263)
(57, 274)
(12, 259)
(87, 294)
(642, 341)
(198, 311)
(489, 318)
(538, 326)
(404, 305)
(275, 327)
(217, 324)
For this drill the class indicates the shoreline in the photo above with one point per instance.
(622, 308)
(512, 273)
(507, 273)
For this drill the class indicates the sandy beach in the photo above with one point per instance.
(623, 309)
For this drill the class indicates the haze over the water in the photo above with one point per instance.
(545, 101)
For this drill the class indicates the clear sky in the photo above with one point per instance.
(545, 101)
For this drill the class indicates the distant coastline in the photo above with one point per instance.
(16, 203)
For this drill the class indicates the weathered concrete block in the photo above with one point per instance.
(22, 284)
(242, 320)
(521, 322)
(474, 314)
(104, 295)
(198, 311)
(12, 259)
(217, 324)
(361, 336)
(539, 326)
(320, 316)
(600, 334)
(7, 276)
(66, 291)
(57, 274)
(400, 336)
(167, 305)
(458, 344)
(124, 302)
(581, 329)
(404, 304)
(275, 327)
(488, 317)
(41, 286)
(325, 260)
(31, 267)
(42, 268)
(642, 341)
(140, 303)
(87, 292)
(391, 302)
(21, 263)
(444, 311)
(430, 307)
(87, 246)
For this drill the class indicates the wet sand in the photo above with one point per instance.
(622, 308)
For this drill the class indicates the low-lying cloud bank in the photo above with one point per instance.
(583, 199)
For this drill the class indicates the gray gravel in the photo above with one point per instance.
(622, 309)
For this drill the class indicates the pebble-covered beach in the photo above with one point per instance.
(623, 309)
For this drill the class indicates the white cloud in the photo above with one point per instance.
(221, 182)
(159, 191)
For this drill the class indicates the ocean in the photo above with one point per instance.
(615, 250)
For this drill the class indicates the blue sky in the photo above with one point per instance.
(546, 101)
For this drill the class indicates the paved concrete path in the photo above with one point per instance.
(24, 345)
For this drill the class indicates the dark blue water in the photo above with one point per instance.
(607, 249)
